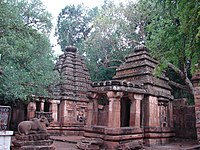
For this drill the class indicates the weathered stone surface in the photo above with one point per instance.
(184, 119)
(33, 142)
(90, 144)
(196, 81)
(137, 105)
(75, 76)
(33, 126)
(133, 145)
(139, 68)
(32, 137)
(75, 83)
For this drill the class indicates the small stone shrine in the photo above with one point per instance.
(33, 136)
(136, 108)
(70, 103)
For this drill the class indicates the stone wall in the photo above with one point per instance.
(184, 119)
(18, 114)
(196, 85)
(103, 116)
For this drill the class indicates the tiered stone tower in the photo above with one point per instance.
(74, 84)
(139, 68)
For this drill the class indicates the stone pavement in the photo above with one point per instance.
(69, 143)
(64, 145)
(69, 139)
(177, 144)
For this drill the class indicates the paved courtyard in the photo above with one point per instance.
(64, 145)
(69, 143)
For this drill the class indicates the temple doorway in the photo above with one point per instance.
(125, 112)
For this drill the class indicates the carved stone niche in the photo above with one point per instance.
(163, 113)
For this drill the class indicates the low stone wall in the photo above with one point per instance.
(103, 116)
(184, 122)
(70, 129)
(37, 141)
(158, 135)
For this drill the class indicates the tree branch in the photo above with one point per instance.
(177, 70)
(180, 86)
(183, 75)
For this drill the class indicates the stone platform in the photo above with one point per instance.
(39, 141)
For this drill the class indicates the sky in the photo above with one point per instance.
(55, 6)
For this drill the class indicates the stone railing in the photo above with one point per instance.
(48, 115)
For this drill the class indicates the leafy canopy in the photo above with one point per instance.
(105, 38)
(26, 56)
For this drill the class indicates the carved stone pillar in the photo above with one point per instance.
(31, 108)
(151, 112)
(163, 114)
(135, 109)
(92, 109)
(42, 105)
(170, 108)
(196, 84)
(54, 110)
(62, 112)
(67, 112)
(114, 109)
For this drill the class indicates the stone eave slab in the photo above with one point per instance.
(114, 85)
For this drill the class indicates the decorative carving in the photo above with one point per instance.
(163, 113)
(48, 115)
(81, 115)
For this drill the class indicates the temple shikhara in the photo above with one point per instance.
(135, 108)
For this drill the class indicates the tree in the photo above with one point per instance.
(112, 38)
(173, 36)
(34, 15)
(26, 56)
(104, 36)
(74, 25)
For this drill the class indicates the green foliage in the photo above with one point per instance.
(112, 38)
(110, 35)
(26, 56)
(74, 24)
(106, 35)
(173, 34)
(34, 15)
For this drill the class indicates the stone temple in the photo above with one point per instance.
(138, 108)
(135, 108)
(70, 94)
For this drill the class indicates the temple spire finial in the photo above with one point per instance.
(71, 49)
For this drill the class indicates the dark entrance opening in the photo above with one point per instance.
(125, 112)
(38, 104)
(46, 106)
